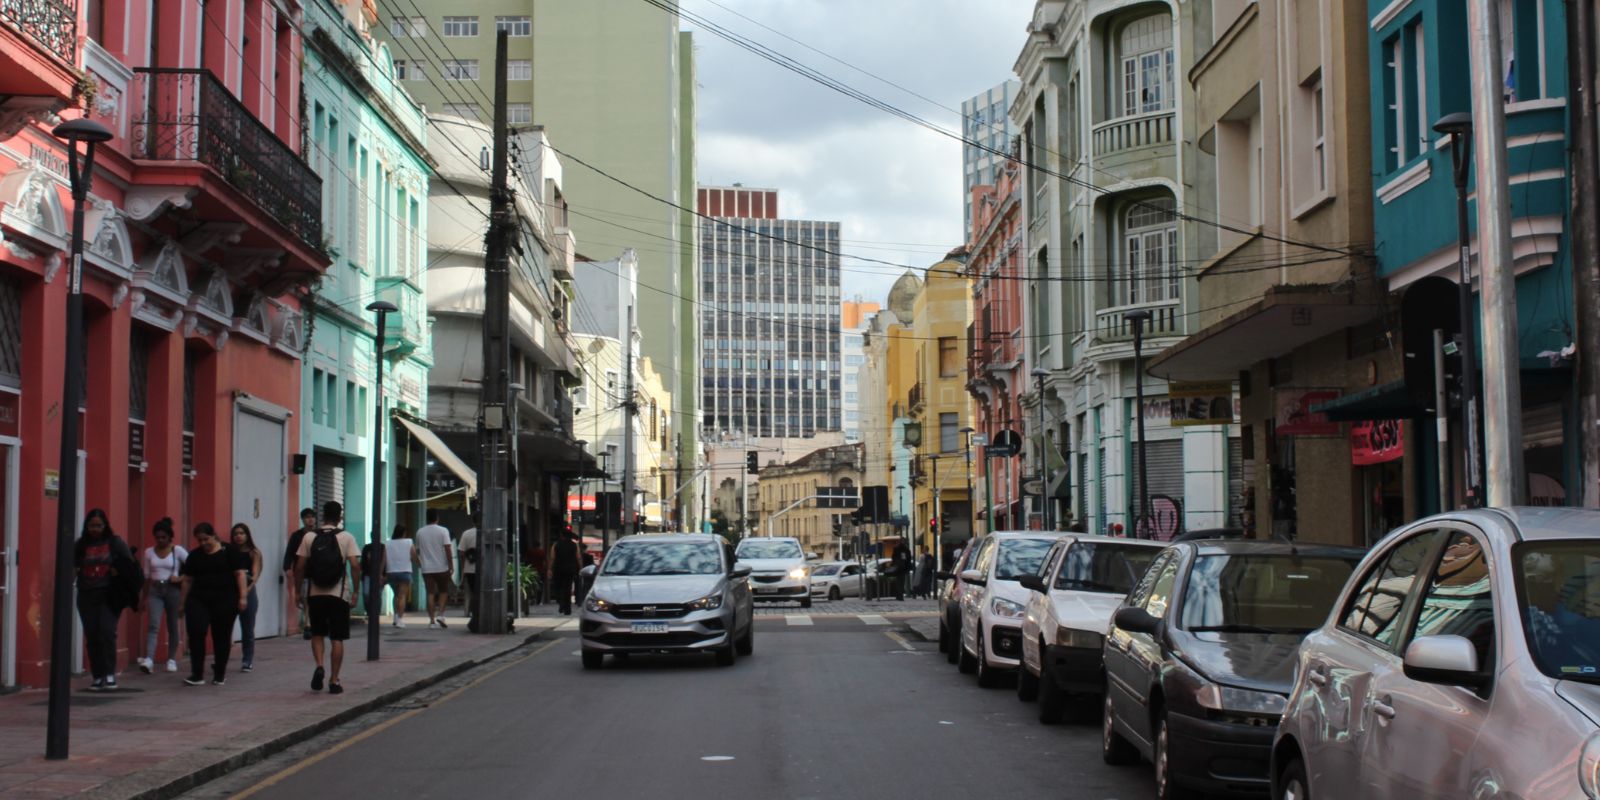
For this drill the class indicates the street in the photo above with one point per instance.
(846, 706)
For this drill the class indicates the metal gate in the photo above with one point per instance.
(1235, 482)
(260, 500)
(1164, 466)
(328, 477)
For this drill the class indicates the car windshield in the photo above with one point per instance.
(1255, 593)
(1019, 557)
(1104, 567)
(769, 548)
(663, 558)
(824, 570)
(1559, 584)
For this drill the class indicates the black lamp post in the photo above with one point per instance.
(972, 506)
(57, 726)
(1039, 374)
(383, 309)
(1137, 318)
(1459, 128)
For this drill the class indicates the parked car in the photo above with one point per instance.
(1463, 660)
(778, 569)
(1200, 658)
(993, 602)
(1081, 582)
(672, 593)
(838, 579)
(949, 593)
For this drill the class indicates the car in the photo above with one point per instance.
(1200, 658)
(668, 593)
(993, 601)
(838, 579)
(949, 593)
(778, 569)
(1080, 583)
(1462, 660)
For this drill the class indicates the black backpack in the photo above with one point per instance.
(325, 561)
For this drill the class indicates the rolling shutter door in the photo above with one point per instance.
(1235, 481)
(1100, 491)
(328, 474)
(1164, 463)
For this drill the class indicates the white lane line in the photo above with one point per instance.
(900, 640)
(569, 625)
(872, 619)
(798, 619)
(716, 758)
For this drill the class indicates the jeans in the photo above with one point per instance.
(563, 590)
(247, 629)
(213, 615)
(99, 631)
(164, 598)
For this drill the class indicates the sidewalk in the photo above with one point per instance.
(156, 737)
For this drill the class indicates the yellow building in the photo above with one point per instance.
(932, 356)
(788, 486)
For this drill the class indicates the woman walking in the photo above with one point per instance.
(213, 596)
(246, 545)
(163, 586)
(401, 559)
(105, 568)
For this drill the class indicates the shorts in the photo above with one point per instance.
(397, 577)
(438, 583)
(329, 616)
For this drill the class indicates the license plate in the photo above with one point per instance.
(649, 627)
(768, 591)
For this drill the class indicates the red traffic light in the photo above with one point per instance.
(933, 524)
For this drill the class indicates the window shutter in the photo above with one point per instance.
(358, 249)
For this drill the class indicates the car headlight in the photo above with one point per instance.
(1006, 608)
(1073, 637)
(1589, 767)
(1239, 701)
(799, 573)
(706, 603)
(599, 605)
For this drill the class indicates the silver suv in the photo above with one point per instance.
(778, 569)
(668, 593)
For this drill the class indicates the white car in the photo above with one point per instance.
(993, 602)
(778, 569)
(1080, 583)
(838, 579)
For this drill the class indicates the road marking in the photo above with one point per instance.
(716, 758)
(383, 726)
(872, 619)
(945, 722)
(798, 619)
(900, 640)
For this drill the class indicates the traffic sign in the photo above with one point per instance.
(1006, 443)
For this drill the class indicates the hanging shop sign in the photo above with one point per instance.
(1377, 441)
(1295, 417)
(580, 502)
(135, 443)
(10, 408)
(1201, 403)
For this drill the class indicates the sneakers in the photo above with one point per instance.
(400, 623)
(316, 680)
(195, 680)
(172, 665)
(217, 682)
(441, 623)
(246, 667)
(433, 625)
(145, 665)
(335, 688)
(99, 684)
(109, 685)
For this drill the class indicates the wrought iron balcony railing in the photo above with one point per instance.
(188, 115)
(52, 24)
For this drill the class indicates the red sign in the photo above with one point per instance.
(580, 502)
(10, 414)
(1295, 417)
(1377, 441)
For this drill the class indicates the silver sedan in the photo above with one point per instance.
(838, 579)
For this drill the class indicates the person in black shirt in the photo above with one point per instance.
(298, 589)
(213, 597)
(564, 570)
(104, 566)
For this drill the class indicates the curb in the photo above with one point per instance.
(174, 785)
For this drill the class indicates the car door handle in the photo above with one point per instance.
(1318, 675)
(1383, 708)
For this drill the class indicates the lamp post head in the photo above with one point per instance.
(82, 130)
(1138, 316)
(1040, 373)
(1457, 124)
(968, 429)
(382, 306)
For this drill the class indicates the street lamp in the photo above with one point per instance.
(90, 133)
(1137, 318)
(1039, 374)
(972, 506)
(383, 309)
(1458, 127)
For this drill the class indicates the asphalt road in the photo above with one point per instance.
(838, 708)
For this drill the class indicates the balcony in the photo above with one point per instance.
(1165, 320)
(39, 60)
(406, 332)
(187, 115)
(917, 399)
(1135, 148)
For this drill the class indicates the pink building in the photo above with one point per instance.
(996, 378)
(203, 236)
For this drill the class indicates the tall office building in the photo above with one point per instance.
(853, 321)
(770, 360)
(985, 120)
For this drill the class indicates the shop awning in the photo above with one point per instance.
(1279, 322)
(1389, 401)
(444, 454)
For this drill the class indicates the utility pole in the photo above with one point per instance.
(492, 437)
(630, 408)
(1586, 241)
(1502, 390)
(1137, 318)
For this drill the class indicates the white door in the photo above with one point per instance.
(8, 564)
(259, 500)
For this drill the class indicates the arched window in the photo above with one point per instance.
(1150, 233)
(1144, 54)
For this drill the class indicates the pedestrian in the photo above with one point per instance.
(401, 560)
(539, 568)
(902, 572)
(246, 545)
(298, 589)
(330, 562)
(585, 581)
(214, 591)
(469, 571)
(163, 593)
(109, 580)
(925, 578)
(564, 568)
(433, 541)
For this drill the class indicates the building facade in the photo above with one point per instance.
(771, 349)
(986, 121)
(784, 489)
(197, 264)
(938, 406)
(995, 377)
(852, 336)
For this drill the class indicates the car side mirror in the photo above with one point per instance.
(740, 571)
(944, 576)
(1033, 582)
(1135, 620)
(974, 577)
(1445, 659)
(812, 556)
(587, 572)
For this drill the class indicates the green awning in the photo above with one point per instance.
(1389, 401)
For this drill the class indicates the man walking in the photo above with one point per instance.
(433, 544)
(469, 571)
(330, 562)
(564, 570)
(291, 556)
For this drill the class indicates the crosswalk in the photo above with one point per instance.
(793, 620)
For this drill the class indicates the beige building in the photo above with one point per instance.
(787, 486)
(940, 318)
(732, 488)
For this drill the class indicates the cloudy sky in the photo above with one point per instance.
(894, 186)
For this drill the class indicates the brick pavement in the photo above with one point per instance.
(156, 736)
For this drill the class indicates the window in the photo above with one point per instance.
(1152, 251)
(1522, 56)
(1375, 609)
(1319, 155)
(949, 423)
(580, 397)
(400, 69)
(1147, 68)
(458, 27)
(1459, 601)
(461, 69)
(1405, 125)
(519, 70)
(1161, 590)
(949, 357)
(408, 27)
(515, 26)
(461, 110)
(519, 113)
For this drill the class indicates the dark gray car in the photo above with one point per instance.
(668, 593)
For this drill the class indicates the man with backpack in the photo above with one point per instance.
(331, 562)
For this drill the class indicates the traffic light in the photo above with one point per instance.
(838, 525)
(944, 525)
(750, 465)
(933, 525)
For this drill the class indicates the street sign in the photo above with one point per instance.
(1033, 486)
(1006, 443)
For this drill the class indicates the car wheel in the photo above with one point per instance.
(1114, 749)
(944, 638)
(952, 653)
(1027, 684)
(747, 643)
(806, 603)
(966, 662)
(727, 655)
(1292, 785)
(1167, 787)
(1052, 702)
(834, 594)
(593, 660)
(988, 676)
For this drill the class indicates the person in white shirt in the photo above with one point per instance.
(163, 585)
(433, 547)
(469, 571)
(402, 559)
